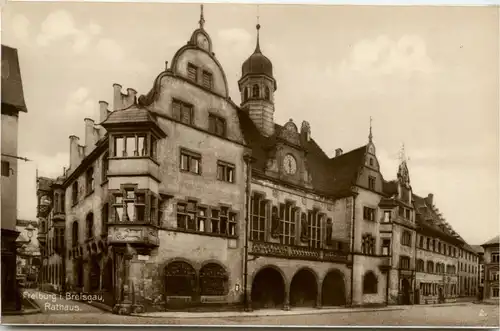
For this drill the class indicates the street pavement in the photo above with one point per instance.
(463, 314)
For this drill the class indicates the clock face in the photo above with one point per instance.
(290, 164)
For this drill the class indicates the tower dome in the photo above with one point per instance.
(257, 63)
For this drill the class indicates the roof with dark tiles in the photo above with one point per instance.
(492, 242)
(332, 176)
(132, 114)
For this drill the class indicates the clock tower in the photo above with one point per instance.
(257, 86)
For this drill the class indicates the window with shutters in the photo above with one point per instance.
(406, 238)
(207, 80)
(368, 244)
(134, 205)
(404, 262)
(192, 72)
(225, 172)
(190, 162)
(192, 217)
(369, 214)
(217, 125)
(258, 217)
(182, 111)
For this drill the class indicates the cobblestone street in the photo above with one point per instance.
(464, 314)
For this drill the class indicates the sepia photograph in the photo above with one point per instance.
(250, 164)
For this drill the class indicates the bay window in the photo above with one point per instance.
(135, 205)
(134, 145)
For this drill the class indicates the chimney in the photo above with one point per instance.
(338, 152)
(305, 131)
(74, 153)
(430, 199)
(103, 111)
(130, 98)
(90, 138)
(117, 97)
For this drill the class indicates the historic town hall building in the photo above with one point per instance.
(180, 197)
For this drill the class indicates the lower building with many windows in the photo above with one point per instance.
(491, 270)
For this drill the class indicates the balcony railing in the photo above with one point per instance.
(297, 252)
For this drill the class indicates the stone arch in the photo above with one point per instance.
(213, 279)
(180, 278)
(268, 287)
(333, 291)
(304, 288)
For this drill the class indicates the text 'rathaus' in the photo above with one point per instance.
(181, 198)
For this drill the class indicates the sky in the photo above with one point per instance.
(428, 76)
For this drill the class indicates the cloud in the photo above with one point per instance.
(20, 27)
(80, 104)
(234, 41)
(61, 25)
(384, 56)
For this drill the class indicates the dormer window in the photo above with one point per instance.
(207, 80)
(192, 72)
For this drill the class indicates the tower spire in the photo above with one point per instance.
(202, 18)
(257, 47)
(370, 136)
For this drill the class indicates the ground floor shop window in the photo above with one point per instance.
(213, 280)
(180, 279)
(494, 292)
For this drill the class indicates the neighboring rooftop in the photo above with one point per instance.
(492, 242)
(478, 249)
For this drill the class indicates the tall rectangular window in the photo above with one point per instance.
(368, 214)
(406, 238)
(288, 221)
(314, 222)
(119, 147)
(74, 192)
(371, 183)
(258, 224)
(89, 180)
(182, 111)
(192, 72)
(207, 79)
(387, 216)
(494, 257)
(225, 172)
(190, 162)
(386, 246)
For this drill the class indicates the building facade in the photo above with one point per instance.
(12, 104)
(491, 271)
(180, 198)
(28, 253)
(468, 270)
(480, 276)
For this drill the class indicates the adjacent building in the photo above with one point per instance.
(181, 197)
(491, 272)
(480, 277)
(468, 270)
(13, 103)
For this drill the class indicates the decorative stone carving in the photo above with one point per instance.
(275, 223)
(297, 252)
(290, 133)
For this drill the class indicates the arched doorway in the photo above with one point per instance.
(268, 289)
(180, 279)
(303, 289)
(333, 289)
(405, 288)
(213, 280)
